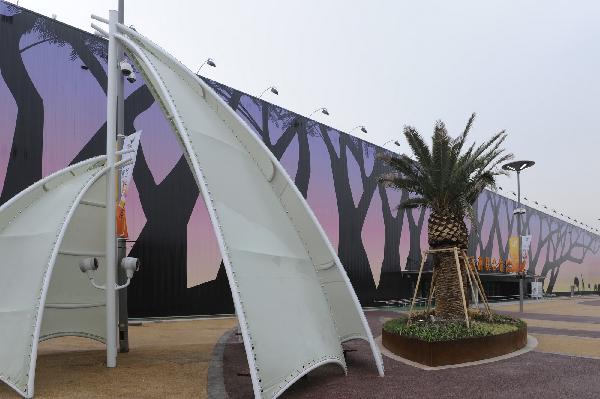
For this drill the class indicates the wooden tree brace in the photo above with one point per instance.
(432, 288)
(477, 279)
(462, 290)
(423, 257)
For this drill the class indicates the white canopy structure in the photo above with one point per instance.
(294, 302)
(44, 232)
(292, 297)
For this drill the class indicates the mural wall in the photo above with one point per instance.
(52, 114)
(562, 252)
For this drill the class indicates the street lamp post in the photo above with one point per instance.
(209, 62)
(322, 109)
(518, 166)
(273, 90)
(396, 142)
(361, 127)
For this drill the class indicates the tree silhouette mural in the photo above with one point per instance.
(393, 221)
(25, 166)
(25, 161)
(162, 243)
(351, 249)
(554, 241)
(160, 288)
(293, 126)
(413, 262)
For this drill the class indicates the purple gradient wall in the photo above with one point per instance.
(74, 111)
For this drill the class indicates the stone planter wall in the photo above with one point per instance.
(453, 352)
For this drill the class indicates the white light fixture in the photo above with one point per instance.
(323, 110)
(362, 129)
(210, 62)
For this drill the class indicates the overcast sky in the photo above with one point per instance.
(530, 67)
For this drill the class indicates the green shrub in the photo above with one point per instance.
(425, 328)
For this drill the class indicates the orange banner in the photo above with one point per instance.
(121, 220)
(513, 250)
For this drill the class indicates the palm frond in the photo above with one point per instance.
(445, 176)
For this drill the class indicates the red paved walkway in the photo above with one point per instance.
(533, 374)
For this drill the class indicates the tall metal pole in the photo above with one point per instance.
(111, 132)
(522, 277)
(120, 84)
(518, 166)
(121, 251)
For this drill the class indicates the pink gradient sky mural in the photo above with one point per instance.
(75, 109)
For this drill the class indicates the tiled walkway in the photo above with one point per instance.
(167, 360)
(541, 373)
(569, 326)
(172, 360)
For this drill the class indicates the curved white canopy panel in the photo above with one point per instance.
(294, 302)
(44, 231)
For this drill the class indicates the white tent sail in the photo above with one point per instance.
(294, 302)
(44, 231)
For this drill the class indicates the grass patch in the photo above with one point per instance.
(423, 327)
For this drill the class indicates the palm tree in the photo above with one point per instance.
(446, 178)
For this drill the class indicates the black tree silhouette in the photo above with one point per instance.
(293, 125)
(555, 241)
(25, 162)
(391, 271)
(351, 249)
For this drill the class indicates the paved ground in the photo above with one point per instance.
(571, 374)
(569, 326)
(172, 359)
(167, 360)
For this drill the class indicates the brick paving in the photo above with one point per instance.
(529, 375)
(590, 303)
(553, 317)
(563, 331)
(177, 360)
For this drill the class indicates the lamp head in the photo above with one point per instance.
(517, 166)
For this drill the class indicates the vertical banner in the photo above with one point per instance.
(525, 244)
(130, 147)
(513, 253)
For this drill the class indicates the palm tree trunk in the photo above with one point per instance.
(448, 298)
(447, 230)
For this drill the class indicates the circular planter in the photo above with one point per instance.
(465, 350)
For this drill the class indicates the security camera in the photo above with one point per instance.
(88, 265)
(125, 68)
(131, 78)
(130, 265)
